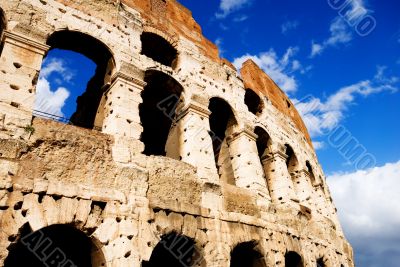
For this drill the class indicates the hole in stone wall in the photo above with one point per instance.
(320, 262)
(253, 102)
(158, 49)
(161, 97)
(173, 250)
(245, 255)
(55, 245)
(292, 259)
(72, 78)
(222, 121)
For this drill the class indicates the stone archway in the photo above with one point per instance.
(245, 255)
(55, 245)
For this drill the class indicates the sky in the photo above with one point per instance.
(339, 61)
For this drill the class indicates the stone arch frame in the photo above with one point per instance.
(255, 247)
(310, 170)
(173, 41)
(89, 104)
(198, 249)
(98, 255)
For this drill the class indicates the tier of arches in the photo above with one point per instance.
(66, 245)
(162, 101)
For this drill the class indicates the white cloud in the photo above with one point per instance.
(340, 34)
(228, 6)
(278, 68)
(369, 210)
(318, 145)
(48, 100)
(289, 25)
(322, 116)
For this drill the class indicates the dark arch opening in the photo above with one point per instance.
(158, 49)
(3, 27)
(321, 263)
(292, 259)
(245, 255)
(253, 102)
(262, 142)
(55, 245)
(174, 250)
(291, 160)
(310, 171)
(161, 97)
(87, 104)
(222, 121)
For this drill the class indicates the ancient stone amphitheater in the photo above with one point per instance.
(172, 158)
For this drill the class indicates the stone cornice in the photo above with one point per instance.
(196, 108)
(25, 42)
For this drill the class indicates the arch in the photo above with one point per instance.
(161, 96)
(263, 142)
(291, 162)
(293, 259)
(55, 245)
(158, 48)
(253, 102)
(222, 122)
(175, 250)
(88, 103)
(246, 255)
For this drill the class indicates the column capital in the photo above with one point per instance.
(25, 42)
(274, 155)
(246, 132)
(127, 78)
(195, 108)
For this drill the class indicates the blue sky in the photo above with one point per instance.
(339, 80)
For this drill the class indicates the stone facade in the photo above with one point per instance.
(170, 150)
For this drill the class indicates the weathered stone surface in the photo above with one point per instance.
(100, 179)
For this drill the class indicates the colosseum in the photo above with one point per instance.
(172, 158)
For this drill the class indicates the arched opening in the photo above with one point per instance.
(174, 250)
(321, 262)
(222, 122)
(253, 102)
(81, 84)
(3, 27)
(55, 245)
(311, 172)
(292, 259)
(158, 49)
(245, 255)
(161, 97)
(291, 160)
(262, 142)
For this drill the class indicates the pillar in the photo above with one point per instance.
(20, 63)
(118, 115)
(304, 188)
(279, 181)
(247, 168)
(192, 141)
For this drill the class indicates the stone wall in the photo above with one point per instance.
(99, 181)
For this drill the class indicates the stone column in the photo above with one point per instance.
(193, 143)
(247, 168)
(303, 188)
(20, 63)
(278, 178)
(118, 115)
